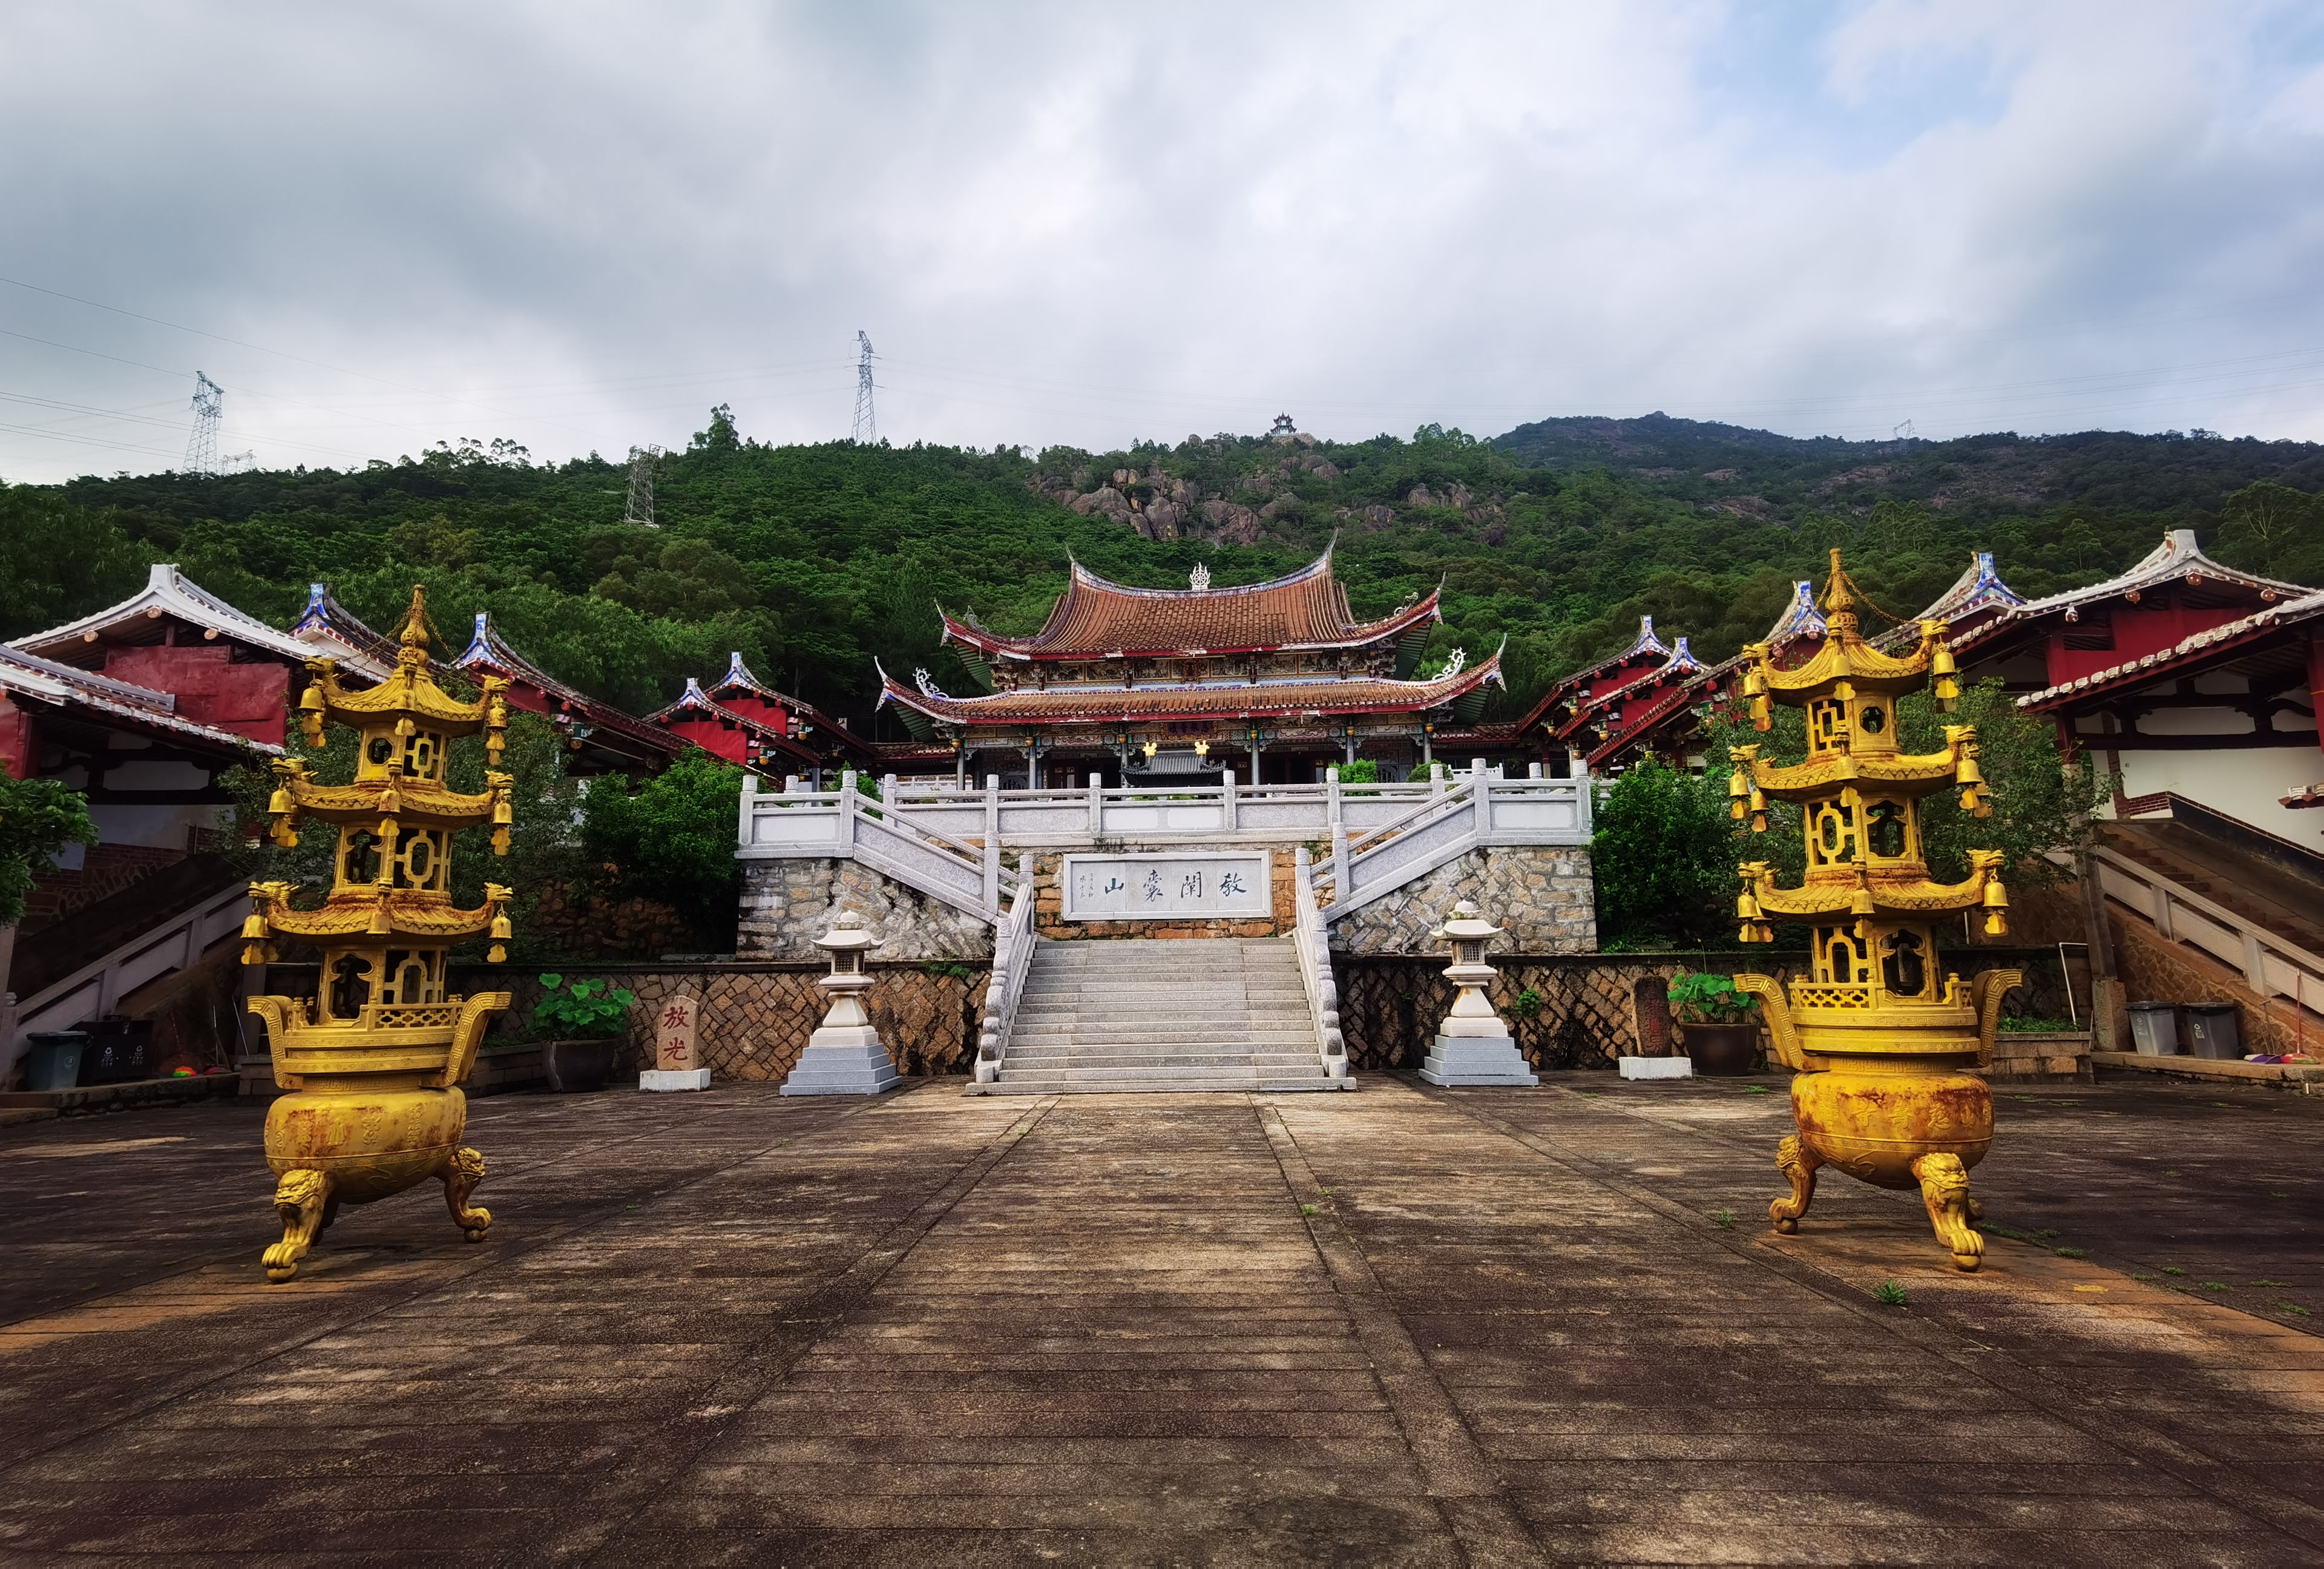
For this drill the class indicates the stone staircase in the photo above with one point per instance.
(1106, 1017)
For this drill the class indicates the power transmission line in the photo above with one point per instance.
(867, 429)
(639, 509)
(201, 446)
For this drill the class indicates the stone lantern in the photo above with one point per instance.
(845, 1055)
(1473, 1046)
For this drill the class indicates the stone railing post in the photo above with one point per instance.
(1481, 782)
(1342, 887)
(1331, 796)
(1096, 803)
(1227, 802)
(847, 809)
(744, 833)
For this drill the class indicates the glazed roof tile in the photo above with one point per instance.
(1199, 700)
(1094, 618)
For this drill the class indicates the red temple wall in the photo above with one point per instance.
(249, 700)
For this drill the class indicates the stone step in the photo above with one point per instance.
(1164, 1086)
(1146, 1014)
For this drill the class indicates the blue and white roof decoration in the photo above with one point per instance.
(1801, 618)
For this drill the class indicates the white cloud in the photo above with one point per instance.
(579, 226)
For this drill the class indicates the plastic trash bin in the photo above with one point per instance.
(53, 1062)
(2155, 1029)
(2215, 1030)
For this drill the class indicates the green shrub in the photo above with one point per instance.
(585, 1008)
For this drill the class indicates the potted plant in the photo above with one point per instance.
(584, 1023)
(1719, 1027)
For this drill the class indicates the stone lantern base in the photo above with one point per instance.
(843, 1059)
(1476, 1059)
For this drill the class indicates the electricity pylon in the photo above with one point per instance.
(639, 509)
(867, 429)
(201, 446)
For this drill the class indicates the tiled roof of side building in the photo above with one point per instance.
(695, 703)
(335, 632)
(29, 677)
(488, 651)
(2177, 559)
(168, 593)
(1094, 618)
(1220, 700)
(1645, 645)
(739, 677)
(2217, 639)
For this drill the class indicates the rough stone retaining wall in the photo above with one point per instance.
(1543, 895)
(788, 904)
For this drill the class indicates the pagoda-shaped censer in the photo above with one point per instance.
(373, 1063)
(1881, 1042)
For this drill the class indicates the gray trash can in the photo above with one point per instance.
(2155, 1029)
(2215, 1030)
(53, 1062)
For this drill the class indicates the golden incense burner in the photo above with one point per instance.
(374, 1064)
(1882, 1045)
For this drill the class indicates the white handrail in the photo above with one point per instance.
(2271, 965)
(1312, 947)
(1013, 942)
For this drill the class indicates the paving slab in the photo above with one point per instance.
(1411, 1326)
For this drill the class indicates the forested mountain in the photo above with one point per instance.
(814, 560)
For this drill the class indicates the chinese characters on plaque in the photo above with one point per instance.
(1165, 886)
(674, 1036)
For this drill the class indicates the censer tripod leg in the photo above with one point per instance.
(1944, 1188)
(461, 1174)
(1798, 1163)
(302, 1199)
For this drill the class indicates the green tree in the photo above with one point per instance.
(673, 840)
(2275, 531)
(38, 817)
(59, 560)
(1663, 856)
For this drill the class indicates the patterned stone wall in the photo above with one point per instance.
(1543, 895)
(788, 904)
(755, 1018)
(1049, 896)
(1588, 1012)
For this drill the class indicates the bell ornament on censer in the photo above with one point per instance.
(374, 1062)
(1881, 1043)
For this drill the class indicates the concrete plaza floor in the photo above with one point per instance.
(1402, 1326)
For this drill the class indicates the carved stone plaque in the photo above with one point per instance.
(1167, 885)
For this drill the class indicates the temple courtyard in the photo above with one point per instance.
(1401, 1326)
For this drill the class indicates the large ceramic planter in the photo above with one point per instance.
(579, 1064)
(1720, 1049)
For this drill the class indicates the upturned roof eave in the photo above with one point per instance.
(971, 711)
(168, 591)
(1360, 635)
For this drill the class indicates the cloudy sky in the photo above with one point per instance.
(577, 226)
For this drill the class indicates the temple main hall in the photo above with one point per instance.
(1272, 682)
